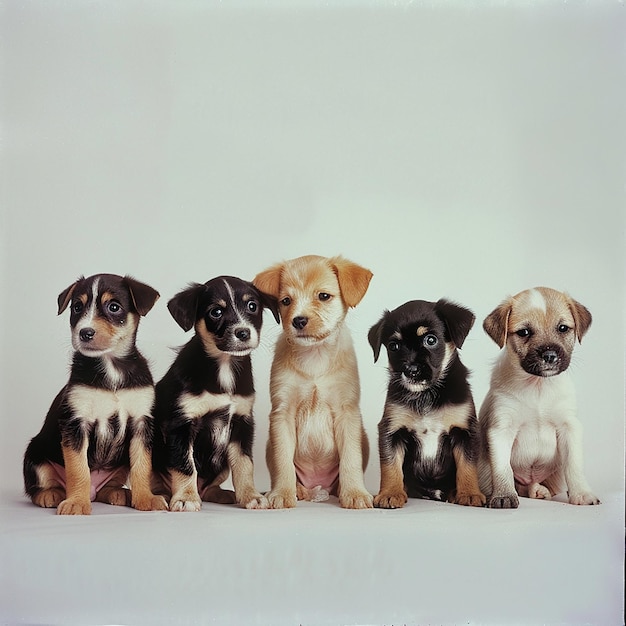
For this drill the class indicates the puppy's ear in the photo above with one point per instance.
(268, 281)
(375, 335)
(66, 295)
(184, 306)
(353, 280)
(496, 324)
(269, 302)
(582, 318)
(142, 295)
(458, 320)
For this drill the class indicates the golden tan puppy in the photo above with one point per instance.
(317, 444)
(531, 437)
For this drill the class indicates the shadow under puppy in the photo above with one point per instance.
(428, 435)
(317, 443)
(98, 433)
(531, 437)
(204, 402)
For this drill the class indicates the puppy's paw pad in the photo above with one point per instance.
(510, 501)
(178, 505)
(470, 499)
(583, 498)
(390, 500)
(356, 500)
(151, 503)
(74, 507)
(281, 500)
(49, 498)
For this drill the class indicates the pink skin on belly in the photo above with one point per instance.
(99, 478)
(311, 476)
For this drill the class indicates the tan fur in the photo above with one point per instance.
(531, 437)
(78, 482)
(314, 386)
(392, 494)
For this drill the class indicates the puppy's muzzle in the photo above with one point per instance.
(243, 334)
(413, 372)
(86, 334)
(546, 361)
(299, 322)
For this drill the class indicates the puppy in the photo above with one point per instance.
(98, 432)
(317, 444)
(204, 402)
(428, 435)
(531, 438)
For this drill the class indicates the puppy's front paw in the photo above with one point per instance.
(49, 498)
(539, 492)
(283, 499)
(150, 503)
(387, 500)
(253, 500)
(356, 500)
(190, 503)
(470, 499)
(504, 501)
(583, 498)
(74, 507)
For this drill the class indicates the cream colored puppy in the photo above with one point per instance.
(530, 435)
(317, 444)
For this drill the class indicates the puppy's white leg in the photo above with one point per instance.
(243, 479)
(185, 491)
(350, 444)
(281, 450)
(503, 494)
(569, 449)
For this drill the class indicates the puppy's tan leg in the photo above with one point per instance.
(392, 494)
(281, 449)
(467, 490)
(185, 491)
(78, 481)
(503, 494)
(349, 435)
(243, 479)
(142, 497)
(115, 492)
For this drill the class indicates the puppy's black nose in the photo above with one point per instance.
(243, 334)
(86, 334)
(411, 371)
(550, 357)
(299, 322)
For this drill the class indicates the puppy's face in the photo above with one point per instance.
(104, 313)
(227, 313)
(539, 328)
(314, 294)
(421, 338)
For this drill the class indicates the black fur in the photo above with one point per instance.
(426, 378)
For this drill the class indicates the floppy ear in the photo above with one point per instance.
(458, 320)
(268, 281)
(143, 296)
(66, 295)
(269, 302)
(184, 305)
(353, 280)
(582, 318)
(375, 335)
(497, 322)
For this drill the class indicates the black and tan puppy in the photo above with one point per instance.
(428, 435)
(98, 433)
(204, 402)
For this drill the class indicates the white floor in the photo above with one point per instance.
(430, 563)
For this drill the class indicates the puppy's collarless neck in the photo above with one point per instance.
(111, 372)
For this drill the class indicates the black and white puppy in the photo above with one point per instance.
(204, 402)
(98, 433)
(428, 435)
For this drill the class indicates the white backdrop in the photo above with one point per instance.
(459, 152)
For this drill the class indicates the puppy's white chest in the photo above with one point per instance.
(428, 431)
(195, 406)
(98, 405)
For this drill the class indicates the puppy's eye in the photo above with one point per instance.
(523, 333)
(252, 306)
(430, 341)
(286, 301)
(393, 346)
(563, 328)
(216, 312)
(324, 296)
(77, 307)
